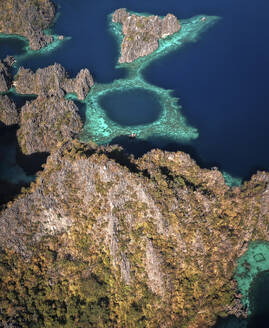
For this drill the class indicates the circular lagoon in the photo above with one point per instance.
(131, 107)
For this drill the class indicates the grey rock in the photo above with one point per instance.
(9, 114)
(46, 121)
(53, 81)
(28, 18)
(5, 74)
(142, 33)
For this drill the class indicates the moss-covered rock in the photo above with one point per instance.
(46, 121)
(53, 81)
(142, 33)
(114, 242)
(9, 113)
(27, 18)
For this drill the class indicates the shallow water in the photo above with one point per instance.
(221, 80)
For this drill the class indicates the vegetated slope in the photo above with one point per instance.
(103, 240)
(27, 18)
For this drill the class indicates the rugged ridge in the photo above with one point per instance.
(45, 121)
(5, 73)
(53, 81)
(28, 18)
(149, 242)
(9, 113)
(142, 33)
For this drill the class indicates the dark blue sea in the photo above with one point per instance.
(222, 80)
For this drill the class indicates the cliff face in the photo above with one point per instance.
(9, 113)
(53, 81)
(5, 74)
(114, 242)
(46, 121)
(50, 118)
(27, 18)
(142, 33)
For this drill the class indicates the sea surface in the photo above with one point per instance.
(222, 81)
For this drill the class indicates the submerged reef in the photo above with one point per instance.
(29, 19)
(171, 123)
(254, 261)
(103, 240)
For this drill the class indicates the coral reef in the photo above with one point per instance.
(27, 18)
(110, 241)
(171, 123)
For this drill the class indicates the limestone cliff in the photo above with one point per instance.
(53, 81)
(9, 113)
(5, 74)
(142, 33)
(103, 240)
(27, 18)
(46, 121)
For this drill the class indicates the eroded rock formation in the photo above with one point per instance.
(53, 81)
(27, 18)
(9, 113)
(46, 121)
(142, 33)
(5, 74)
(111, 241)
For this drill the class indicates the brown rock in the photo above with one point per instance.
(142, 33)
(27, 18)
(53, 81)
(46, 121)
(9, 114)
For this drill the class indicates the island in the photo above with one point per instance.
(142, 33)
(101, 239)
(28, 19)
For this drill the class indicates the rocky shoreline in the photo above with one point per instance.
(28, 19)
(158, 231)
(101, 239)
(142, 33)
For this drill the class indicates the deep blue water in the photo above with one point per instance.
(259, 306)
(131, 107)
(221, 80)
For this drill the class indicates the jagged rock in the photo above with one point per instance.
(160, 235)
(80, 85)
(9, 114)
(46, 121)
(27, 18)
(53, 81)
(5, 74)
(142, 33)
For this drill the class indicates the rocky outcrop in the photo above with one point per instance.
(9, 113)
(53, 81)
(46, 121)
(142, 33)
(27, 18)
(113, 241)
(5, 74)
